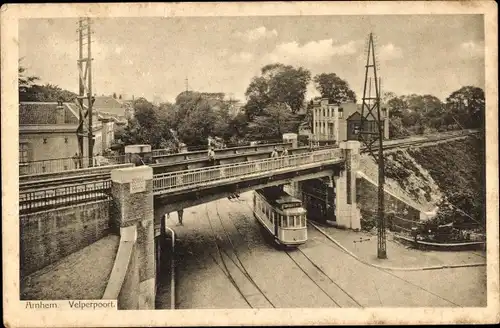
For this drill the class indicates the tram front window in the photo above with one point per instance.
(284, 221)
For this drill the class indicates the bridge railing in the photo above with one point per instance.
(167, 181)
(44, 199)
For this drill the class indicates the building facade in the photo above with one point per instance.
(334, 122)
(47, 131)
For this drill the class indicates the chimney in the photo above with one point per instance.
(60, 112)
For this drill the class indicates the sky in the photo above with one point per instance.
(152, 57)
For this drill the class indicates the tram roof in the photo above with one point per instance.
(278, 196)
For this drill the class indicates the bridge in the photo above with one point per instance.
(131, 202)
(160, 159)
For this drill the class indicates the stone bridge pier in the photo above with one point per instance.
(344, 188)
(132, 217)
(338, 192)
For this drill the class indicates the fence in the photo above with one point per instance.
(167, 181)
(398, 224)
(69, 163)
(50, 198)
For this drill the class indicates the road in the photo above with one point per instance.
(224, 260)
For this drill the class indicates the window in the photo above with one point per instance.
(44, 140)
(341, 114)
(23, 152)
(65, 139)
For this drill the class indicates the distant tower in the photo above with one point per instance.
(187, 84)
(372, 136)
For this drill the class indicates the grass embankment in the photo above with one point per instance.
(458, 168)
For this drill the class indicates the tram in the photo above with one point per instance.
(281, 215)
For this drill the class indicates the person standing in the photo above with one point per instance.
(180, 213)
(211, 156)
(274, 153)
(76, 160)
(285, 154)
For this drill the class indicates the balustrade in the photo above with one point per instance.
(187, 178)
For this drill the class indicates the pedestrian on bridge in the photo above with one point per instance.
(76, 160)
(285, 154)
(274, 153)
(211, 156)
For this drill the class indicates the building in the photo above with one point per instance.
(118, 110)
(47, 131)
(235, 107)
(334, 122)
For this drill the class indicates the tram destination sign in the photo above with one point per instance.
(137, 185)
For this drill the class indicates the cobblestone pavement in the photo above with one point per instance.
(254, 273)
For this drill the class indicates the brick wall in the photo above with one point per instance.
(49, 236)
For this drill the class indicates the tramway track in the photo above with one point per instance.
(349, 302)
(242, 266)
(335, 246)
(239, 277)
(347, 299)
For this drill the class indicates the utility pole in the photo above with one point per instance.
(372, 135)
(187, 84)
(85, 85)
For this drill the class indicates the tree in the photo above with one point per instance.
(25, 82)
(467, 106)
(277, 84)
(275, 120)
(334, 88)
(239, 126)
(257, 94)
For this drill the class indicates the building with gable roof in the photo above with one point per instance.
(47, 131)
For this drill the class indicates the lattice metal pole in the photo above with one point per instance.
(85, 89)
(372, 135)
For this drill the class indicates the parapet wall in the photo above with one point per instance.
(48, 236)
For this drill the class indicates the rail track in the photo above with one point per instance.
(29, 186)
(347, 301)
(238, 274)
(62, 181)
(334, 245)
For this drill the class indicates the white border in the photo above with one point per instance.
(16, 316)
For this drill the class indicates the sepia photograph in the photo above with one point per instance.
(240, 161)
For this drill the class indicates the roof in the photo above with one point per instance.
(275, 195)
(115, 114)
(36, 113)
(108, 105)
(357, 116)
(74, 108)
